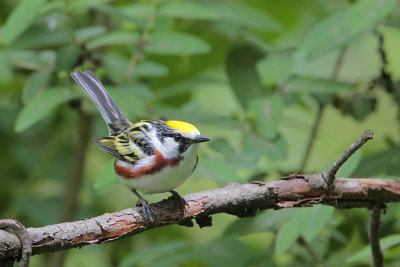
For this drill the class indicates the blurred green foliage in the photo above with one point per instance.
(250, 74)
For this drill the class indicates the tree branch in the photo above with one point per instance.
(23, 237)
(374, 236)
(237, 199)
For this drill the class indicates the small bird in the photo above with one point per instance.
(152, 156)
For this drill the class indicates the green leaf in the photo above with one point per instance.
(106, 178)
(187, 10)
(42, 38)
(142, 91)
(222, 146)
(274, 70)
(176, 43)
(80, 6)
(129, 102)
(35, 84)
(317, 86)
(186, 113)
(139, 10)
(42, 105)
(262, 222)
(153, 253)
(225, 251)
(175, 259)
(114, 38)
(150, 69)
(176, 89)
(217, 171)
(386, 243)
(48, 8)
(6, 69)
(288, 235)
(379, 162)
(313, 220)
(67, 57)
(125, 14)
(363, 108)
(240, 68)
(350, 165)
(37, 61)
(307, 222)
(337, 235)
(391, 37)
(246, 16)
(20, 19)
(342, 27)
(268, 112)
(115, 64)
(359, 106)
(392, 253)
(256, 146)
(84, 34)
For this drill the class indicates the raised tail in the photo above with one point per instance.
(113, 116)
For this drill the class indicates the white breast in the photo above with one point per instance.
(168, 178)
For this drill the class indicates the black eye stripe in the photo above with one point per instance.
(184, 144)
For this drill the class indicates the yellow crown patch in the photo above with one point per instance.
(182, 126)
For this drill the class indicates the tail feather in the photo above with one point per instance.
(113, 116)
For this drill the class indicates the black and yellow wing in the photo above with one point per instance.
(131, 145)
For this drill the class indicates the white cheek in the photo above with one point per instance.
(169, 148)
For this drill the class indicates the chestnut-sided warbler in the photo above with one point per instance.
(151, 156)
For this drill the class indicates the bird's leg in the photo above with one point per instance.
(148, 212)
(179, 200)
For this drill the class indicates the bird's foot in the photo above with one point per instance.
(180, 201)
(148, 212)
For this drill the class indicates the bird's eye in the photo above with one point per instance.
(177, 137)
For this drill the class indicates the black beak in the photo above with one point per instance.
(201, 139)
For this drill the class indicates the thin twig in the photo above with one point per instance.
(330, 174)
(23, 236)
(374, 226)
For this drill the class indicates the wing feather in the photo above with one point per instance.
(107, 144)
(129, 146)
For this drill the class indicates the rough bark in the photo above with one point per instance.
(237, 199)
